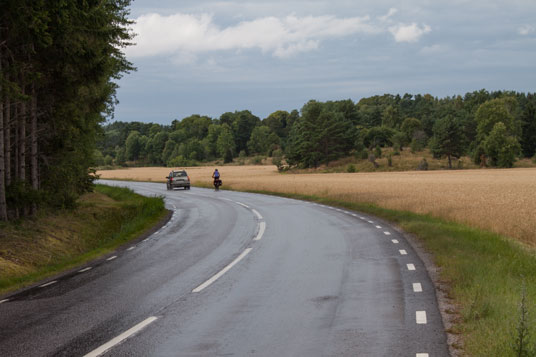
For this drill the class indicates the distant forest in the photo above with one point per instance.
(494, 128)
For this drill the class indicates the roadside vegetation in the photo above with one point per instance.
(55, 241)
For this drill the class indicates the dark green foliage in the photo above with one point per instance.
(59, 61)
(319, 136)
(448, 139)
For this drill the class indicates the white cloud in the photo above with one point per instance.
(387, 16)
(409, 33)
(433, 50)
(526, 30)
(282, 37)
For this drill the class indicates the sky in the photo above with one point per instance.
(211, 57)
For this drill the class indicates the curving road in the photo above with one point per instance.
(236, 274)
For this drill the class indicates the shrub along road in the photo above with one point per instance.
(238, 273)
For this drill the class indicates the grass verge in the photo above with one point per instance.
(31, 250)
(488, 275)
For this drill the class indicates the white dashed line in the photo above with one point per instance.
(353, 214)
(102, 349)
(221, 272)
(417, 287)
(410, 266)
(403, 252)
(421, 317)
(422, 355)
(49, 283)
(241, 204)
(371, 222)
(112, 258)
(379, 227)
(257, 213)
(387, 233)
(131, 248)
(262, 228)
(85, 269)
(395, 241)
(3, 301)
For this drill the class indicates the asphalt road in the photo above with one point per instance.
(237, 274)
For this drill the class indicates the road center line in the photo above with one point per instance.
(85, 269)
(420, 316)
(410, 266)
(256, 213)
(49, 283)
(102, 349)
(221, 272)
(112, 258)
(262, 227)
(417, 287)
(241, 204)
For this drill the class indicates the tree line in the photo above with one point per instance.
(58, 63)
(494, 128)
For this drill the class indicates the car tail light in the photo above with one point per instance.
(171, 179)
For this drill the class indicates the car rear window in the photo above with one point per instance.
(179, 173)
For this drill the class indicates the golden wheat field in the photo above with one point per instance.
(503, 201)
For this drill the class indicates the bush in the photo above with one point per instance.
(108, 160)
(257, 160)
(534, 159)
(423, 165)
(389, 160)
(378, 151)
(351, 168)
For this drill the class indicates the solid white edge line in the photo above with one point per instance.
(146, 239)
(3, 301)
(131, 248)
(395, 241)
(420, 317)
(262, 228)
(112, 258)
(85, 269)
(221, 272)
(410, 266)
(49, 283)
(403, 252)
(257, 213)
(102, 349)
(417, 287)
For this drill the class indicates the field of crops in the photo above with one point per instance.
(502, 201)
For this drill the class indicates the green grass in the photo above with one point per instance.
(485, 271)
(34, 249)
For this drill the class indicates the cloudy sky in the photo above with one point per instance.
(210, 57)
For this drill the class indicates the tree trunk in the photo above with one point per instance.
(22, 140)
(33, 137)
(450, 162)
(7, 141)
(3, 205)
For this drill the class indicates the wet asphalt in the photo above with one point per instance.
(237, 274)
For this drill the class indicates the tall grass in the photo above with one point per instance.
(51, 243)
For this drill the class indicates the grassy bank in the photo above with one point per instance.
(31, 250)
(486, 272)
